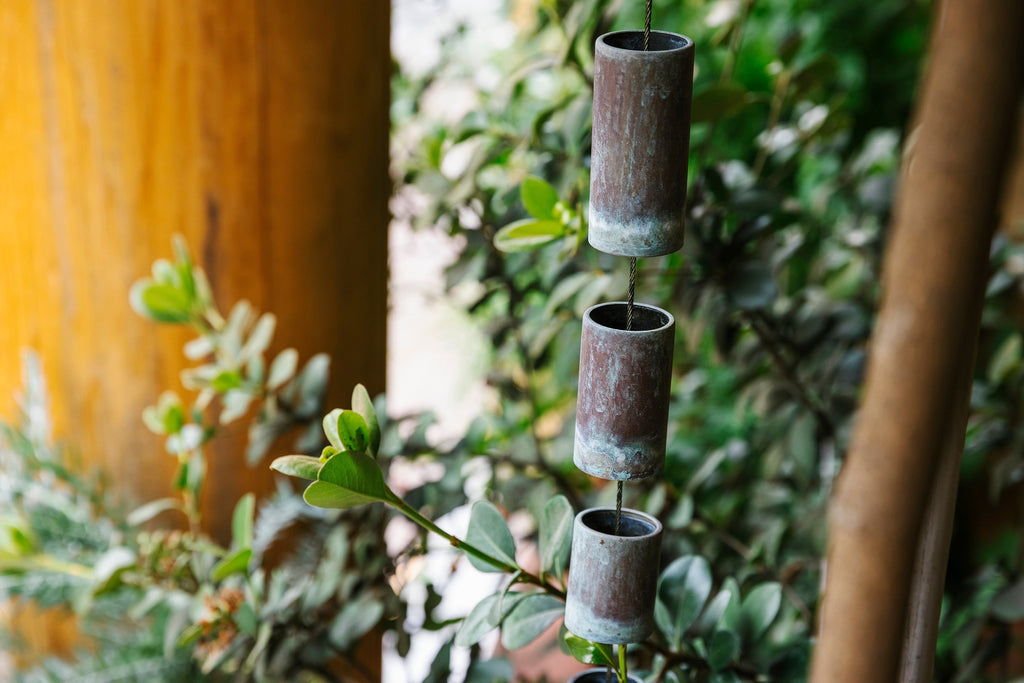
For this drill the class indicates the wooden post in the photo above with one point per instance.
(937, 256)
(259, 130)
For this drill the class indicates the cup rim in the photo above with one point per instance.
(686, 44)
(656, 525)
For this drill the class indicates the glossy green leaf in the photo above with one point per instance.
(162, 303)
(683, 588)
(723, 650)
(363, 404)
(489, 532)
(539, 198)
(711, 618)
(347, 480)
(353, 431)
(589, 652)
(226, 380)
(302, 466)
(760, 608)
(716, 101)
(529, 619)
(556, 535)
(242, 521)
(477, 623)
(235, 562)
(527, 234)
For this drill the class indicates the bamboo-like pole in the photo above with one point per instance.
(942, 228)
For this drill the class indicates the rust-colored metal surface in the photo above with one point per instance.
(641, 142)
(625, 377)
(613, 577)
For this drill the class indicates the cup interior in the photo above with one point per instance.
(631, 525)
(645, 318)
(660, 41)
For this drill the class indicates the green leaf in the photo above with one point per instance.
(331, 428)
(242, 520)
(353, 431)
(717, 101)
(189, 635)
(282, 368)
(759, 609)
(712, 616)
(751, 286)
(527, 234)
(489, 532)
(724, 648)
(235, 562)
(589, 652)
(225, 380)
(144, 513)
(347, 480)
(556, 535)
(162, 303)
(363, 404)
(354, 620)
(683, 588)
(539, 198)
(328, 452)
(477, 623)
(1008, 605)
(1005, 359)
(529, 619)
(260, 337)
(246, 619)
(302, 466)
(109, 567)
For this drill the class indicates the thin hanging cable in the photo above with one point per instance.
(647, 26)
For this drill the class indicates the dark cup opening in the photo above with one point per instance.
(660, 41)
(599, 676)
(645, 318)
(632, 524)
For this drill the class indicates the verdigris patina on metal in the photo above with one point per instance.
(641, 142)
(622, 404)
(613, 576)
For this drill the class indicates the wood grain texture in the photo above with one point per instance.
(258, 130)
(935, 268)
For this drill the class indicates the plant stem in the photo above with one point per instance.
(623, 674)
(524, 576)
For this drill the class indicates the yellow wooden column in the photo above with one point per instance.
(257, 129)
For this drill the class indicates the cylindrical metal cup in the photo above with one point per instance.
(613, 577)
(641, 142)
(599, 675)
(625, 381)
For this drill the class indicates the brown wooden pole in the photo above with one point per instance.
(926, 330)
(259, 130)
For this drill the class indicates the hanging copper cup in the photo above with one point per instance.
(641, 142)
(613, 576)
(625, 381)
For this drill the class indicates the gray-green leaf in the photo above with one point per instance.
(529, 619)
(477, 623)
(556, 535)
(302, 466)
(489, 532)
(362, 404)
(760, 608)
